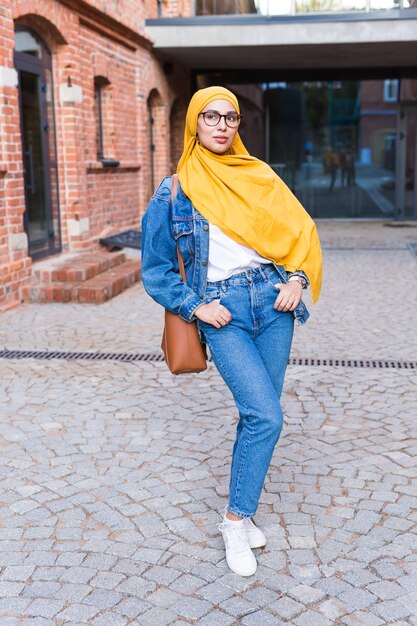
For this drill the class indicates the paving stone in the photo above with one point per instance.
(286, 608)
(311, 617)
(360, 577)
(73, 592)
(260, 596)
(136, 586)
(37, 621)
(107, 580)
(162, 575)
(409, 583)
(117, 510)
(218, 618)
(77, 612)
(410, 602)
(391, 610)
(360, 618)
(216, 592)
(386, 590)
(191, 608)
(164, 597)
(14, 605)
(40, 589)
(333, 586)
(132, 607)
(306, 595)
(80, 575)
(157, 615)
(237, 606)
(261, 617)
(18, 573)
(333, 608)
(47, 608)
(357, 599)
(109, 619)
(187, 584)
(103, 598)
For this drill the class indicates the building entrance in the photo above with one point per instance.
(347, 149)
(41, 217)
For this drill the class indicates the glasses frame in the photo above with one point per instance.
(239, 116)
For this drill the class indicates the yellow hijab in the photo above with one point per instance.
(246, 199)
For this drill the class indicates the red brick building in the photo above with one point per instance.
(85, 112)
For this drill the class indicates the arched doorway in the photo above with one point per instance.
(33, 63)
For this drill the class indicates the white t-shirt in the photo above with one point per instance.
(227, 257)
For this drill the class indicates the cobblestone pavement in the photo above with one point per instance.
(113, 475)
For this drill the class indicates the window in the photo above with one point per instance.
(391, 90)
(100, 85)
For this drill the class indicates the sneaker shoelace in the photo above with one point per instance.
(235, 538)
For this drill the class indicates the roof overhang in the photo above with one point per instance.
(384, 39)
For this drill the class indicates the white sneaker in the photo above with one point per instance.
(239, 556)
(255, 535)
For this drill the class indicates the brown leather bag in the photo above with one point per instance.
(183, 351)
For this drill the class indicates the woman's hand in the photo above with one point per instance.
(289, 296)
(214, 313)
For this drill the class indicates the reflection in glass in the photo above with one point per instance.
(55, 230)
(291, 7)
(41, 217)
(224, 7)
(376, 5)
(26, 42)
(268, 7)
(311, 6)
(33, 158)
(334, 144)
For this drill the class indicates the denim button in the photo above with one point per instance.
(205, 227)
(204, 263)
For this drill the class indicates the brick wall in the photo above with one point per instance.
(14, 261)
(105, 40)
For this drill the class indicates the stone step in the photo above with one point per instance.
(75, 267)
(95, 290)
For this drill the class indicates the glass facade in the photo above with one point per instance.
(336, 145)
(294, 7)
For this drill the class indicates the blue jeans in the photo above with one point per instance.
(251, 354)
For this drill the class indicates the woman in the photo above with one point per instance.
(249, 249)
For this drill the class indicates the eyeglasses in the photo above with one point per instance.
(212, 118)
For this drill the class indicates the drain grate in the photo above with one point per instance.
(379, 364)
(157, 357)
(44, 355)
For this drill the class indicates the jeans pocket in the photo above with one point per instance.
(212, 294)
(274, 281)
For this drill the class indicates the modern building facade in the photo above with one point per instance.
(339, 79)
(93, 95)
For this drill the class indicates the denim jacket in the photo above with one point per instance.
(166, 224)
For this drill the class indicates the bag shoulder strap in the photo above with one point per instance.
(174, 191)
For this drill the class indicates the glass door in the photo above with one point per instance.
(406, 162)
(41, 218)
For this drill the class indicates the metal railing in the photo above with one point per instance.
(294, 7)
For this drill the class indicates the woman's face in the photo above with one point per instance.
(218, 138)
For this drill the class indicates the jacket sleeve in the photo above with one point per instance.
(160, 271)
